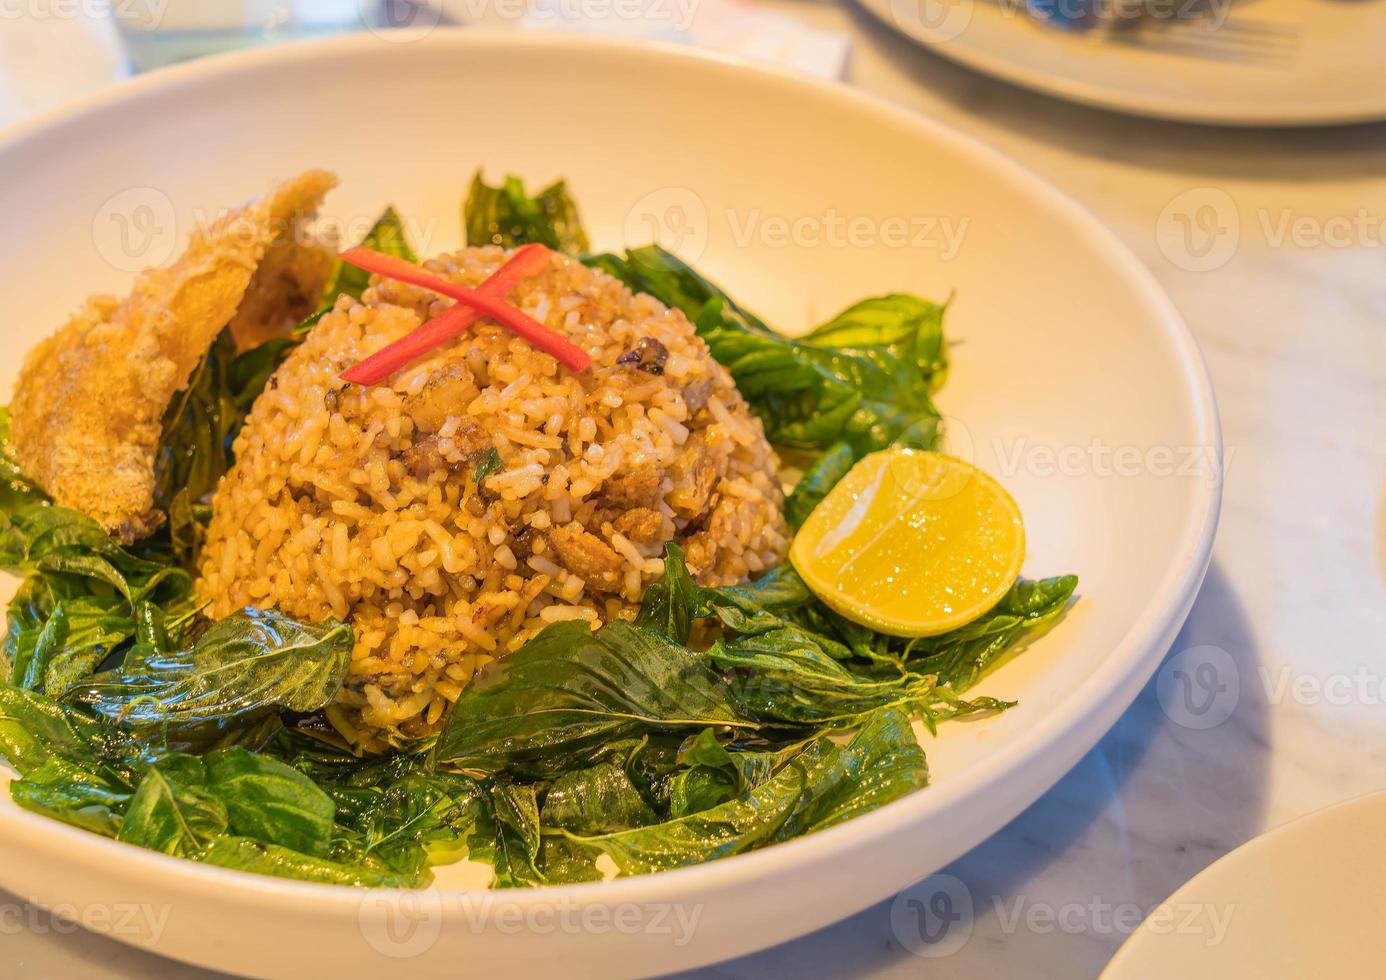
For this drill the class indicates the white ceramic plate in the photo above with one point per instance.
(1303, 900)
(1301, 63)
(1074, 381)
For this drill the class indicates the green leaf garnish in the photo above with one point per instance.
(506, 215)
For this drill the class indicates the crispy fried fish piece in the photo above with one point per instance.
(286, 288)
(88, 408)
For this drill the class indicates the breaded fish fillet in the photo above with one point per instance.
(88, 408)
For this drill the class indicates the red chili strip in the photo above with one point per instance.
(527, 261)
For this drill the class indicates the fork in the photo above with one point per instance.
(1137, 24)
(1259, 43)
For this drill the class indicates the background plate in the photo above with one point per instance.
(1303, 900)
(1302, 63)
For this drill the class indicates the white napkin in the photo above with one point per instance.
(45, 61)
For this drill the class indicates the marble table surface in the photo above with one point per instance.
(1284, 283)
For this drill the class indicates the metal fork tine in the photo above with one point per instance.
(1260, 27)
(1205, 53)
(1197, 36)
(1268, 50)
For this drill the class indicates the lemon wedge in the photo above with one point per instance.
(912, 543)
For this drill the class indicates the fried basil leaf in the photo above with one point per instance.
(506, 215)
(671, 602)
(812, 790)
(172, 811)
(386, 235)
(258, 857)
(270, 801)
(830, 467)
(16, 489)
(961, 657)
(245, 667)
(74, 794)
(570, 691)
(596, 800)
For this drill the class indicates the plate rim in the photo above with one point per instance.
(1117, 969)
(1112, 687)
(1305, 115)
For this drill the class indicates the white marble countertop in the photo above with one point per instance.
(1292, 616)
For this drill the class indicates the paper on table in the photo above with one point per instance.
(730, 26)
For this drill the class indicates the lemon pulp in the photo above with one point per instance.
(912, 543)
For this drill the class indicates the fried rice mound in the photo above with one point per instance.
(365, 503)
